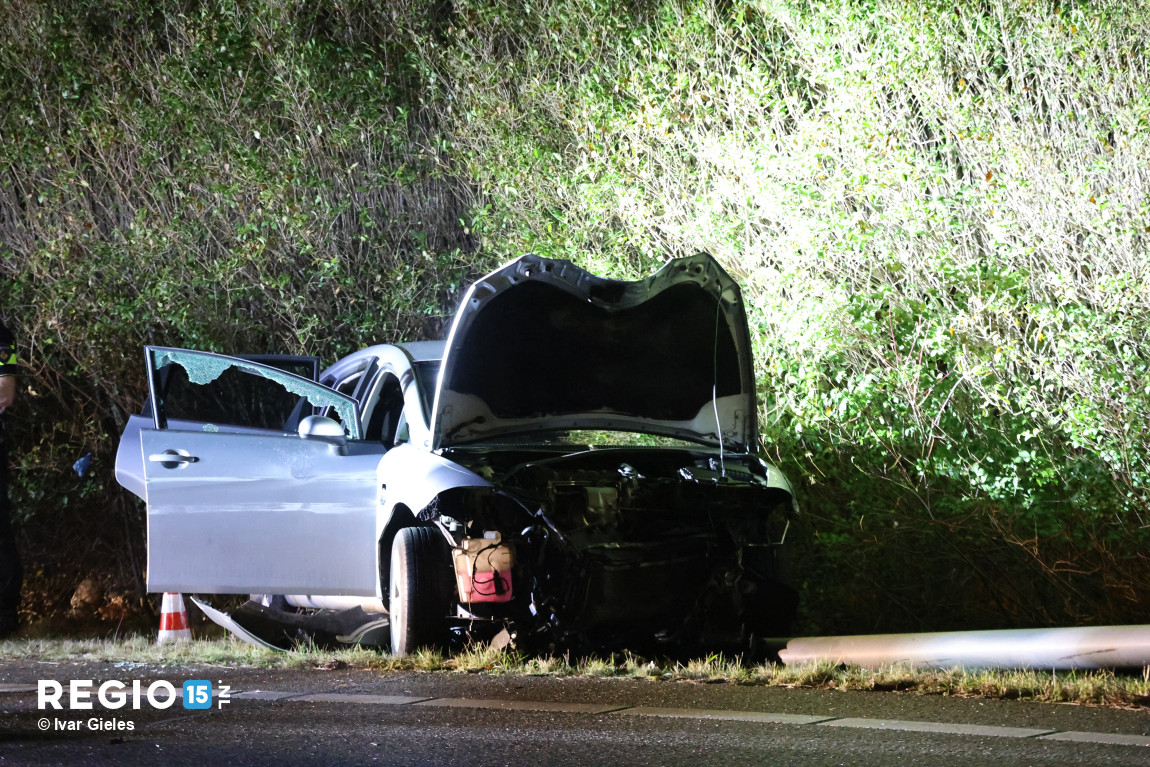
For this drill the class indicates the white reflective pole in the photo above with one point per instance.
(1093, 647)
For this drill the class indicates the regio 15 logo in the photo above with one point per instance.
(114, 694)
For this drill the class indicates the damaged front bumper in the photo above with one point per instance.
(623, 548)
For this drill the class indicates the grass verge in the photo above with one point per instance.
(1090, 688)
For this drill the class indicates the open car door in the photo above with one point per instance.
(239, 501)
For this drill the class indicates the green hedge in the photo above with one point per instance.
(938, 212)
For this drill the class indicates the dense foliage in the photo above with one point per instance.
(938, 211)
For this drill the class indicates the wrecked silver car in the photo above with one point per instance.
(574, 465)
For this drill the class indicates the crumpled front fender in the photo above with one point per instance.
(409, 480)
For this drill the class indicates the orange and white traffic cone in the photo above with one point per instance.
(173, 620)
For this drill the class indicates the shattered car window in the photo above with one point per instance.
(225, 391)
(233, 398)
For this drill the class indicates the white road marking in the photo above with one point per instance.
(1112, 738)
(733, 716)
(18, 688)
(523, 705)
(940, 727)
(264, 695)
(338, 697)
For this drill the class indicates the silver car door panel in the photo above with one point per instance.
(260, 514)
(130, 467)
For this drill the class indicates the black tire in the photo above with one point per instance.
(421, 588)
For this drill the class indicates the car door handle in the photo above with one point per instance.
(172, 458)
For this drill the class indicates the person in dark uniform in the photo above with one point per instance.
(11, 573)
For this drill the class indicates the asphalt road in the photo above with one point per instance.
(345, 716)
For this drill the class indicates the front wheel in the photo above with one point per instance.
(421, 589)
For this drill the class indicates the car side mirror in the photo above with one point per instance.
(321, 427)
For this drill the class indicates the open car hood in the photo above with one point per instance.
(542, 345)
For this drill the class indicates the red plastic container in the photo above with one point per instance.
(485, 587)
(483, 568)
